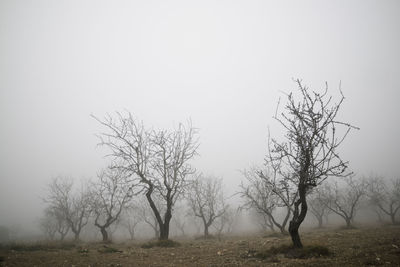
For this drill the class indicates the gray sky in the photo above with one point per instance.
(221, 63)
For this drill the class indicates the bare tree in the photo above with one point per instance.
(80, 213)
(264, 221)
(309, 153)
(131, 219)
(180, 219)
(317, 204)
(159, 160)
(225, 223)
(48, 224)
(261, 194)
(73, 207)
(61, 224)
(110, 194)
(206, 200)
(384, 197)
(172, 152)
(5, 233)
(345, 201)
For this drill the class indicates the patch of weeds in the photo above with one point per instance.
(288, 251)
(266, 256)
(203, 237)
(314, 251)
(372, 262)
(107, 249)
(82, 250)
(161, 243)
(66, 245)
(251, 253)
(275, 234)
(274, 259)
(26, 247)
(148, 245)
(39, 246)
(273, 251)
(345, 227)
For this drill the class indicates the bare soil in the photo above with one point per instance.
(378, 246)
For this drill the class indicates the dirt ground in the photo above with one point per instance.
(374, 246)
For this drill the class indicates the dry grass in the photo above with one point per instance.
(161, 243)
(378, 246)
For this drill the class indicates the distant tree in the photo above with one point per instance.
(4, 234)
(385, 197)
(111, 193)
(309, 153)
(73, 207)
(261, 193)
(112, 229)
(48, 226)
(54, 222)
(81, 211)
(264, 221)
(196, 225)
(180, 219)
(225, 223)
(345, 201)
(379, 213)
(158, 160)
(317, 204)
(206, 200)
(131, 219)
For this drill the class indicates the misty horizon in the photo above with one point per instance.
(223, 65)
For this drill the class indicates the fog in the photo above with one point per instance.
(222, 64)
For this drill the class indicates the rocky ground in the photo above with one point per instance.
(374, 246)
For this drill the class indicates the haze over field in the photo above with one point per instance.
(223, 64)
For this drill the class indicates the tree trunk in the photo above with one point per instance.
(104, 234)
(294, 234)
(164, 227)
(164, 232)
(76, 234)
(132, 233)
(320, 222)
(348, 222)
(393, 218)
(206, 234)
(283, 230)
(380, 219)
(298, 218)
(271, 224)
(63, 236)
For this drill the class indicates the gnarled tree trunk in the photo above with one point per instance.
(104, 234)
(298, 218)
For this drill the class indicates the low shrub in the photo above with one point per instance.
(314, 251)
(107, 249)
(161, 243)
